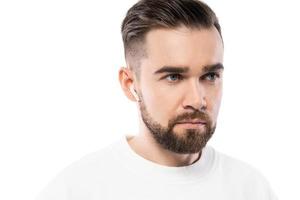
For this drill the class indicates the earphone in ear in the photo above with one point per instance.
(133, 92)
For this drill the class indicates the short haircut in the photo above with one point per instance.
(147, 15)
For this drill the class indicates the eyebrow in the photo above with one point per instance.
(212, 68)
(176, 69)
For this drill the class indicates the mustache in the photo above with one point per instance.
(197, 115)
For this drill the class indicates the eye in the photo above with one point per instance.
(173, 77)
(211, 76)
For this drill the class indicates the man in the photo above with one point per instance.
(174, 56)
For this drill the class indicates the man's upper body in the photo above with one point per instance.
(118, 172)
(174, 56)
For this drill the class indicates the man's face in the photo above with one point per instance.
(181, 81)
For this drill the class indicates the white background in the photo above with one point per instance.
(60, 97)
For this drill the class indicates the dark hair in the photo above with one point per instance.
(146, 15)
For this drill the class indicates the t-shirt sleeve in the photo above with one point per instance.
(55, 190)
(267, 191)
(270, 193)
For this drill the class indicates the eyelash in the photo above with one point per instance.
(216, 76)
(178, 75)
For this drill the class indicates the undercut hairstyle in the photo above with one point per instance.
(147, 15)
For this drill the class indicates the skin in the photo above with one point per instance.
(168, 98)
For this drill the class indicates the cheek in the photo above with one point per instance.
(160, 103)
(214, 103)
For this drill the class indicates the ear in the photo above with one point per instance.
(126, 79)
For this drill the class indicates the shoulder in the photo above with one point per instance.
(92, 163)
(80, 177)
(237, 173)
(231, 164)
(236, 167)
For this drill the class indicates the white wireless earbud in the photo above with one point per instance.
(134, 93)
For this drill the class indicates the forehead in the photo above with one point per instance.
(183, 47)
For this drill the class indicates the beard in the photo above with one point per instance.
(190, 141)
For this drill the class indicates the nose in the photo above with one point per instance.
(195, 97)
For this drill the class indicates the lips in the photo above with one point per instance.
(192, 122)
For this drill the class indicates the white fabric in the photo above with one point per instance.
(117, 172)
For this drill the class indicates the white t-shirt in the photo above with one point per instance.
(117, 172)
